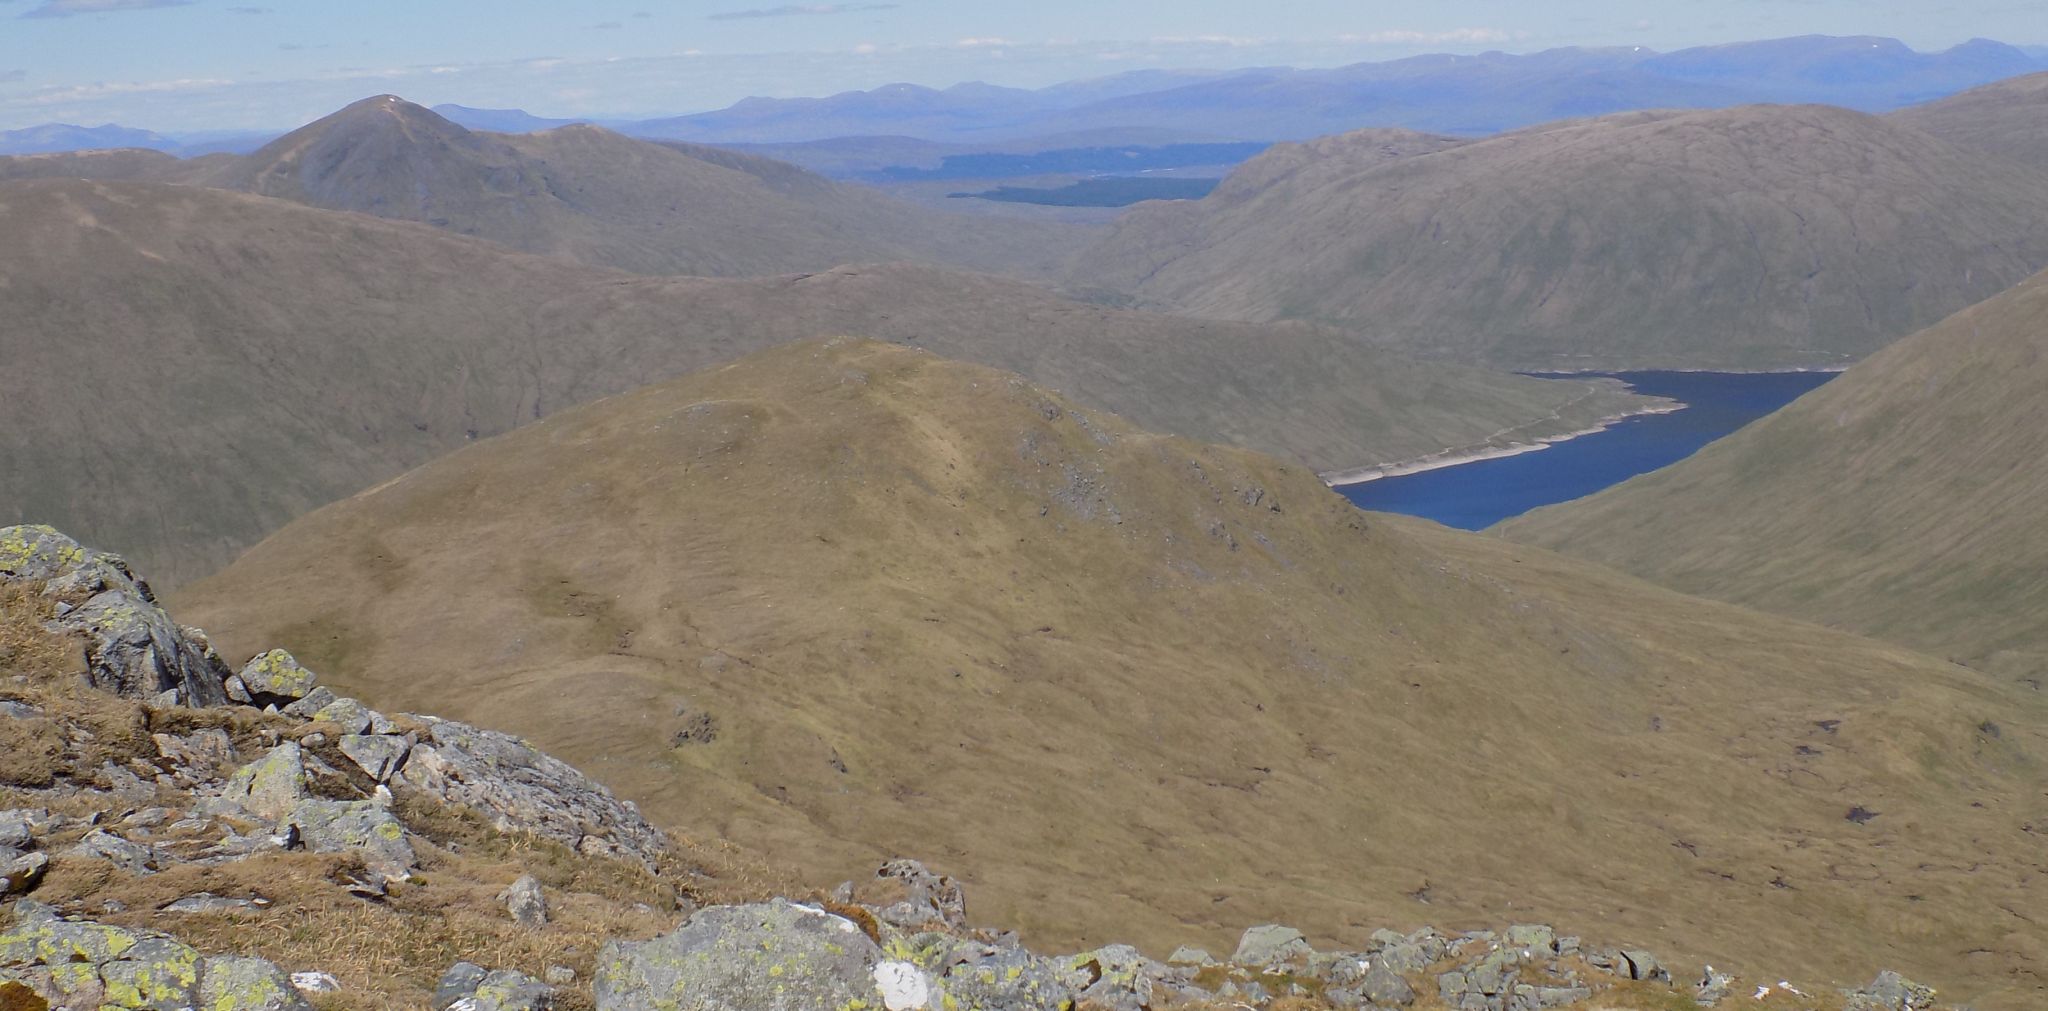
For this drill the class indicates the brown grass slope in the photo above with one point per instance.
(1901, 500)
(188, 369)
(1762, 236)
(604, 199)
(1133, 687)
(2008, 118)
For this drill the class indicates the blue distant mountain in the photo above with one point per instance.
(51, 138)
(1466, 95)
(1445, 94)
(501, 120)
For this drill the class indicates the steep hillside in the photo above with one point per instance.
(604, 199)
(2009, 118)
(1897, 500)
(844, 599)
(255, 358)
(1755, 237)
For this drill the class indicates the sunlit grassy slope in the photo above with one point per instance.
(1133, 687)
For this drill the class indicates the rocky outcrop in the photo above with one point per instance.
(522, 789)
(775, 956)
(76, 963)
(132, 647)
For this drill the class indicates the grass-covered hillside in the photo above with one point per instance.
(846, 600)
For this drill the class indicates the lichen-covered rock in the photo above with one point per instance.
(315, 701)
(1271, 944)
(353, 717)
(272, 785)
(158, 974)
(133, 648)
(229, 983)
(1891, 992)
(1002, 978)
(914, 898)
(458, 982)
(194, 758)
(130, 857)
(1386, 988)
(526, 902)
(16, 828)
(1412, 953)
(23, 873)
(775, 956)
(83, 964)
(378, 755)
(1534, 938)
(521, 789)
(1115, 978)
(276, 678)
(471, 988)
(366, 827)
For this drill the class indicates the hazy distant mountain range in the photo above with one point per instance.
(1460, 95)
(1465, 95)
(54, 137)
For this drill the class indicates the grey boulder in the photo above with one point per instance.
(774, 956)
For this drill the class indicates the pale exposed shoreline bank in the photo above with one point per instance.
(1454, 457)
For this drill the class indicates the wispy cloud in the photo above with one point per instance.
(801, 10)
(606, 26)
(69, 8)
(13, 76)
(1455, 36)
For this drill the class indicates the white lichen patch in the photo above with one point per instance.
(903, 986)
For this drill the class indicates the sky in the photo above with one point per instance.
(200, 65)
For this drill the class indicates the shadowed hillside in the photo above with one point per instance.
(252, 359)
(843, 599)
(1898, 500)
(1753, 237)
(2009, 118)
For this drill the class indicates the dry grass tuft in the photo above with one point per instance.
(27, 649)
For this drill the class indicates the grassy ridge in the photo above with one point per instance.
(842, 600)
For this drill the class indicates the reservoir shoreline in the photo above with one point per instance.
(1453, 457)
(1478, 486)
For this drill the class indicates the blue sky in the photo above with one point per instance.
(183, 65)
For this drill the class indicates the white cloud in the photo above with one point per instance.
(69, 8)
(1455, 36)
